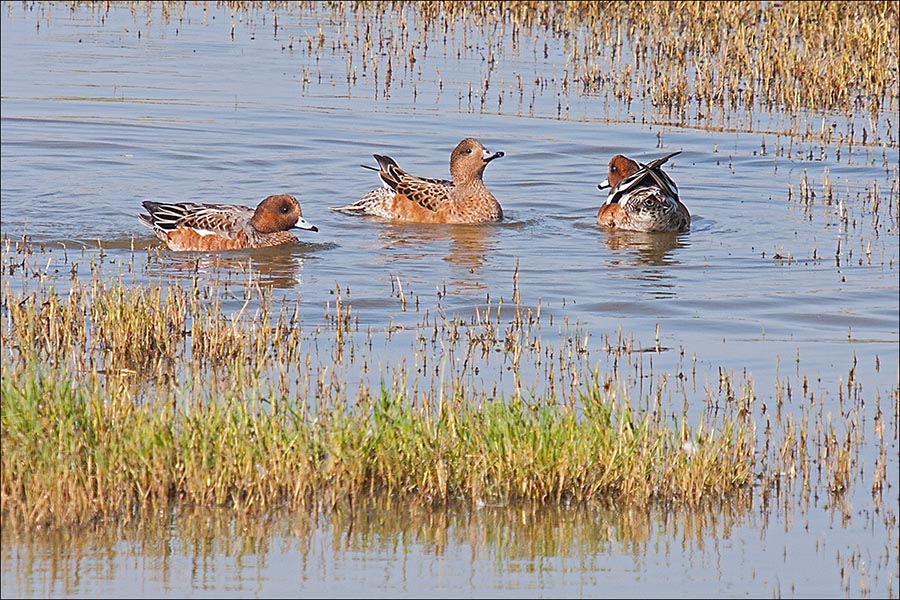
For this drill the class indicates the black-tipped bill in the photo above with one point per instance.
(303, 224)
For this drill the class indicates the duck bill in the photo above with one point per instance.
(488, 157)
(303, 224)
(603, 185)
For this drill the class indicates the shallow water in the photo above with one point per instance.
(101, 110)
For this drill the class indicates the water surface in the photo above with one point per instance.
(103, 109)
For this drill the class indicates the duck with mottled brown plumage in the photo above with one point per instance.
(405, 197)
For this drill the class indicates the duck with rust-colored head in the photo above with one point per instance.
(194, 226)
(412, 199)
(642, 198)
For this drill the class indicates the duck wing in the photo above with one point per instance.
(218, 219)
(430, 194)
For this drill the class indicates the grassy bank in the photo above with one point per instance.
(119, 397)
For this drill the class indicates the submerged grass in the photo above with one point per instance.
(827, 70)
(118, 398)
(73, 454)
(712, 65)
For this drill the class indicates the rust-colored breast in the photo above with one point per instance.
(185, 238)
(609, 215)
(404, 209)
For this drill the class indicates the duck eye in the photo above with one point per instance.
(285, 209)
(468, 151)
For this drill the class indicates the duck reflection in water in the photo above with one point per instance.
(267, 267)
(646, 258)
(467, 247)
(639, 248)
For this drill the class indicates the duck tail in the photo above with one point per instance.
(389, 171)
(661, 161)
(371, 204)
